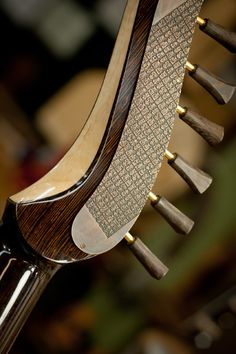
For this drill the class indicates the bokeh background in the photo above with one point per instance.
(54, 55)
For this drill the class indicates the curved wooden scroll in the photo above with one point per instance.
(88, 202)
(72, 218)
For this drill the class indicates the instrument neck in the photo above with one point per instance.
(23, 277)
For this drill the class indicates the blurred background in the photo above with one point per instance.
(54, 55)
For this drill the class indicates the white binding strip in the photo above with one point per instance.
(164, 7)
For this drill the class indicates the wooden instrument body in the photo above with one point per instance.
(108, 198)
(71, 216)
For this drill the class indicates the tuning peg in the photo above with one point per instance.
(221, 90)
(180, 222)
(150, 262)
(211, 132)
(219, 33)
(197, 180)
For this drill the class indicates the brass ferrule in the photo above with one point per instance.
(201, 21)
(190, 67)
(169, 155)
(153, 197)
(181, 110)
(129, 238)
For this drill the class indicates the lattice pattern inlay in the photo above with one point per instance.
(124, 189)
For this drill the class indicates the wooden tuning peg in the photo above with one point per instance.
(180, 222)
(197, 180)
(217, 32)
(211, 132)
(219, 89)
(150, 262)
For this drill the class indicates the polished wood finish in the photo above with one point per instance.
(220, 34)
(52, 219)
(213, 133)
(219, 89)
(197, 180)
(180, 222)
(148, 259)
(23, 277)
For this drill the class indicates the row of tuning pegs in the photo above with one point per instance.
(198, 180)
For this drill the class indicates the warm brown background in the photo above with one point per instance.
(119, 309)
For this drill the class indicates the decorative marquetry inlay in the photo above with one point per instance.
(124, 189)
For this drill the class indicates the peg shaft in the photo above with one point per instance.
(213, 133)
(226, 38)
(204, 323)
(150, 262)
(197, 180)
(180, 222)
(219, 89)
